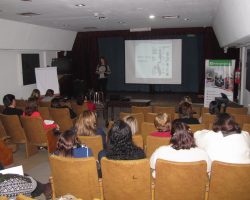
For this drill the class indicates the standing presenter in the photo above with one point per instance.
(103, 72)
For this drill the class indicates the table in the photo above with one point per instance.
(129, 103)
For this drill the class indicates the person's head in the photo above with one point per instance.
(9, 100)
(185, 110)
(132, 122)
(226, 124)
(31, 106)
(187, 99)
(35, 94)
(182, 137)
(66, 143)
(120, 135)
(102, 60)
(214, 107)
(86, 123)
(162, 122)
(55, 103)
(49, 93)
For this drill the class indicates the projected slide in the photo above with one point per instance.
(153, 61)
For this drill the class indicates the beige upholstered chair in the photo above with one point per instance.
(37, 135)
(237, 111)
(207, 119)
(1, 108)
(150, 117)
(15, 131)
(21, 103)
(154, 143)
(139, 117)
(45, 104)
(197, 127)
(93, 142)
(164, 109)
(246, 127)
(146, 129)
(241, 119)
(138, 141)
(6, 139)
(44, 111)
(229, 181)
(126, 179)
(204, 110)
(141, 109)
(76, 176)
(197, 110)
(78, 109)
(61, 116)
(180, 180)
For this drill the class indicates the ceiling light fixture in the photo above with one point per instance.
(101, 17)
(80, 5)
(186, 19)
(151, 16)
(170, 17)
(28, 14)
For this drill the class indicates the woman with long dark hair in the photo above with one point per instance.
(182, 148)
(226, 141)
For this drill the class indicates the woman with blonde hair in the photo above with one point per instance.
(163, 125)
(86, 126)
(132, 122)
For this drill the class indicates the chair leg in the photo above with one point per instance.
(101, 189)
(30, 150)
(52, 187)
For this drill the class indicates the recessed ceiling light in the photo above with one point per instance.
(122, 22)
(101, 17)
(170, 17)
(151, 16)
(80, 5)
(186, 19)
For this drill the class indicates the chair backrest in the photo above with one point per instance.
(34, 130)
(139, 117)
(23, 197)
(13, 128)
(3, 134)
(150, 117)
(62, 117)
(197, 127)
(180, 180)
(93, 142)
(21, 102)
(197, 109)
(141, 109)
(6, 156)
(126, 179)
(204, 110)
(78, 109)
(154, 143)
(246, 127)
(229, 181)
(1, 108)
(45, 104)
(146, 129)
(44, 111)
(241, 119)
(164, 109)
(177, 116)
(239, 111)
(207, 119)
(76, 176)
(138, 141)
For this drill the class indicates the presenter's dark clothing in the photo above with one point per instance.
(12, 111)
(103, 71)
(187, 120)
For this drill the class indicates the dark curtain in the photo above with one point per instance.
(85, 50)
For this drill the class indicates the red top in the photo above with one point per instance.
(91, 106)
(161, 134)
(46, 126)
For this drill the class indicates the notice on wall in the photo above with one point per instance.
(219, 78)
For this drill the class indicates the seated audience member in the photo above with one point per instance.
(36, 95)
(120, 144)
(32, 111)
(57, 103)
(132, 122)
(214, 108)
(12, 185)
(49, 95)
(225, 142)
(68, 145)
(163, 125)
(86, 126)
(186, 114)
(9, 102)
(90, 105)
(182, 148)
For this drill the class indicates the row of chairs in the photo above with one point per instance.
(132, 180)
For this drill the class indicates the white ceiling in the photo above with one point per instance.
(120, 14)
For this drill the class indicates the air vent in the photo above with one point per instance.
(28, 14)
